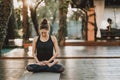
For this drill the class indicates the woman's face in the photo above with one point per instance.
(44, 32)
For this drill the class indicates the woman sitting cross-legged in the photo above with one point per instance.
(45, 50)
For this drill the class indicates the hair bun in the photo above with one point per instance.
(44, 24)
(44, 21)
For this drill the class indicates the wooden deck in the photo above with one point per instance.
(81, 63)
(90, 43)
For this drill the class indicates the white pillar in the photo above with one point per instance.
(99, 10)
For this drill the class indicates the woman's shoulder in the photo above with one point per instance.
(35, 38)
(53, 38)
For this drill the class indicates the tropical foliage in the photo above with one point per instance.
(5, 12)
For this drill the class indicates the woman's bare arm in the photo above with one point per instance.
(55, 48)
(34, 49)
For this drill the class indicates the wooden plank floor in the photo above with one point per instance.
(75, 69)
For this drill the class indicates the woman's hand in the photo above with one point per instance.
(41, 63)
(46, 62)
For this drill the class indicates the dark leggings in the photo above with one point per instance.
(37, 68)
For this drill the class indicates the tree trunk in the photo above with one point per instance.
(5, 8)
(62, 22)
(12, 25)
(53, 21)
(25, 23)
(34, 18)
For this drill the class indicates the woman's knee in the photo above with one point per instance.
(32, 67)
(61, 69)
(29, 68)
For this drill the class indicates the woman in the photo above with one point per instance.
(42, 50)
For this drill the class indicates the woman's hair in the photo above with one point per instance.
(44, 24)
